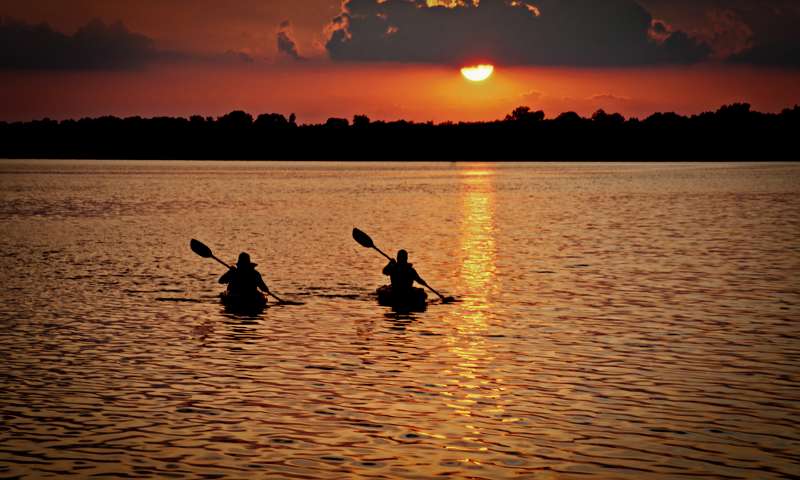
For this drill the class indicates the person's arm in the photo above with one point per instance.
(419, 279)
(389, 268)
(227, 276)
(261, 284)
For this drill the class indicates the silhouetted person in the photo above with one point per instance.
(402, 274)
(243, 279)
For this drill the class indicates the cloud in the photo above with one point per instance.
(286, 45)
(762, 32)
(775, 42)
(660, 29)
(785, 54)
(511, 32)
(95, 46)
(727, 32)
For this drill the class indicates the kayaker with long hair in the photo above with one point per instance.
(243, 280)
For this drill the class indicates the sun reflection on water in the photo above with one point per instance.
(476, 391)
(478, 249)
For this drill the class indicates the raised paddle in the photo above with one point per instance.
(366, 241)
(202, 249)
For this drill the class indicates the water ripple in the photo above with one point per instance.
(615, 321)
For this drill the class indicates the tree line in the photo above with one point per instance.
(733, 132)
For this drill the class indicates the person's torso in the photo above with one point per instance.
(245, 281)
(403, 276)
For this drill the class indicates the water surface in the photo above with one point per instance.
(616, 321)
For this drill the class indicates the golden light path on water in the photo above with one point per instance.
(478, 391)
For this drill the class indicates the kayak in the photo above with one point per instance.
(242, 303)
(414, 300)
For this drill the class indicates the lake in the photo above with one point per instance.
(614, 321)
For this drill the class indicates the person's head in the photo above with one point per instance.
(244, 261)
(402, 256)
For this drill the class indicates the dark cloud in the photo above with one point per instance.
(775, 42)
(286, 45)
(535, 32)
(680, 48)
(660, 28)
(94, 46)
(784, 54)
(762, 32)
(727, 32)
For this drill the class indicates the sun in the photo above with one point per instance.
(477, 73)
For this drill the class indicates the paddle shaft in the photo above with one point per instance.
(220, 261)
(381, 252)
(433, 290)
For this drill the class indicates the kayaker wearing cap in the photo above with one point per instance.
(243, 279)
(402, 274)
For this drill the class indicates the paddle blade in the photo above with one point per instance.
(362, 238)
(200, 248)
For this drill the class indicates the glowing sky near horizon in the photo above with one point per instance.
(315, 87)
(317, 92)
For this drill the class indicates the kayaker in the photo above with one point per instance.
(243, 279)
(402, 274)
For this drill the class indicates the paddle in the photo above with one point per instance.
(366, 241)
(202, 249)
(447, 299)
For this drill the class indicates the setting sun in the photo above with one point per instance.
(477, 73)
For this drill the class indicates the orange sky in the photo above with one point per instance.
(205, 83)
(316, 91)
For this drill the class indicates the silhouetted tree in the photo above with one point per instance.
(732, 132)
(734, 110)
(790, 117)
(271, 120)
(236, 120)
(667, 119)
(568, 119)
(601, 118)
(735, 113)
(360, 121)
(525, 115)
(337, 123)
